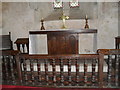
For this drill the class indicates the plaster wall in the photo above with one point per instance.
(19, 18)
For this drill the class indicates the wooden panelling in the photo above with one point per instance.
(62, 43)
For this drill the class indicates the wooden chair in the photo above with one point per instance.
(6, 42)
(117, 42)
(22, 45)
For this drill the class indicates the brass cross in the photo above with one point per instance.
(63, 17)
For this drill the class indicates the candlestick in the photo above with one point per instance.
(42, 26)
(86, 23)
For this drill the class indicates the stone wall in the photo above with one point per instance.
(19, 18)
(0, 17)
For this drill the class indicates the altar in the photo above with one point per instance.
(64, 41)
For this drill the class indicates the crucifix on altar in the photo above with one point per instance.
(63, 17)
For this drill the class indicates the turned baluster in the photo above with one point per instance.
(32, 71)
(23, 47)
(27, 45)
(6, 68)
(77, 72)
(117, 70)
(109, 69)
(61, 72)
(18, 47)
(11, 68)
(14, 62)
(3, 66)
(25, 71)
(46, 71)
(54, 72)
(69, 71)
(93, 72)
(85, 72)
(39, 71)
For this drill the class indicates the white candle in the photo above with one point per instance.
(86, 16)
(42, 18)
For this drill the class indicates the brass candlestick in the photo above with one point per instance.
(86, 23)
(42, 26)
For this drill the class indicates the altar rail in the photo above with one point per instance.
(112, 58)
(9, 71)
(61, 78)
(68, 71)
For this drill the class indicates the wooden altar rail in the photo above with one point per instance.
(61, 78)
(113, 64)
(9, 71)
(41, 70)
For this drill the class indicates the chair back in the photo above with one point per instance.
(6, 42)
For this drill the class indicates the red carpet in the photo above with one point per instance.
(13, 87)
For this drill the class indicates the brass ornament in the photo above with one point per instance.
(63, 18)
(86, 23)
(42, 24)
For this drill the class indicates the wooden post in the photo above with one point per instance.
(39, 71)
(93, 72)
(69, 72)
(18, 69)
(77, 72)
(32, 71)
(46, 71)
(100, 69)
(54, 71)
(61, 72)
(85, 72)
(12, 70)
(117, 70)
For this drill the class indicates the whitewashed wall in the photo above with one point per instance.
(0, 18)
(20, 18)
